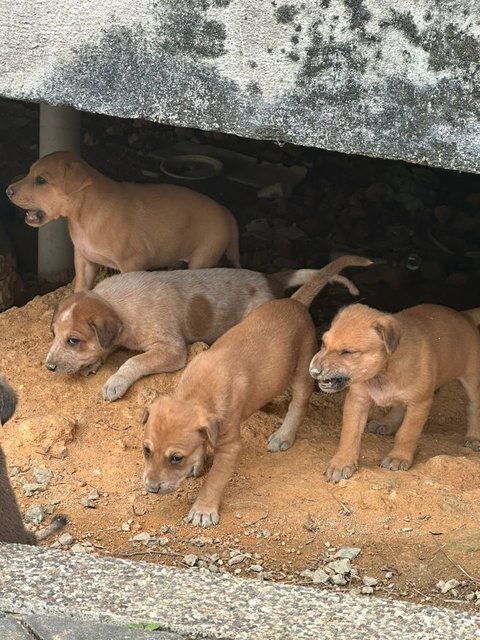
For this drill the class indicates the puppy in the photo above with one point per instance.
(246, 368)
(396, 360)
(12, 528)
(123, 225)
(158, 313)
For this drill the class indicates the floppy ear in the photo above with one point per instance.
(389, 331)
(76, 177)
(210, 429)
(106, 328)
(145, 415)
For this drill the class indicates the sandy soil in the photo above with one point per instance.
(414, 528)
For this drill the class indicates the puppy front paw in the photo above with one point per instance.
(340, 470)
(471, 443)
(115, 387)
(396, 464)
(202, 517)
(279, 441)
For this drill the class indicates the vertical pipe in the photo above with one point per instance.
(59, 130)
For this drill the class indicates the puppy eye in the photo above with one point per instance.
(176, 458)
(72, 342)
(346, 352)
(147, 452)
(40, 180)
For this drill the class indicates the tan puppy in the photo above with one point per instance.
(158, 313)
(396, 360)
(12, 528)
(123, 225)
(220, 388)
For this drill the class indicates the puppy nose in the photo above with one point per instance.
(315, 372)
(152, 488)
(50, 366)
(10, 191)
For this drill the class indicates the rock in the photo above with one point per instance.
(348, 552)
(93, 495)
(190, 560)
(341, 566)
(42, 475)
(445, 587)
(35, 514)
(338, 580)
(240, 557)
(66, 539)
(257, 568)
(366, 590)
(50, 433)
(320, 577)
(163, 542)
(370, 582)
(144, 537)
(29, 489)
(81, 548)
(88, 504)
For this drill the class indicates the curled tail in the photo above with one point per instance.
(310, 289)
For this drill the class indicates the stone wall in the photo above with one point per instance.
(393, 80)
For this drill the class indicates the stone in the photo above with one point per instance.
(369, 582)
(320, 576)
(35, 514)
(42, 475)
(190, 559)
(349, 553)
(50, 433)
(445, 587)
(237, 559)
(338, 580)
(341, 566)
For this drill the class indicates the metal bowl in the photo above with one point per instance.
(191, 167)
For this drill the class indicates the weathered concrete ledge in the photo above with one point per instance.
(390, 80)
(46, 582)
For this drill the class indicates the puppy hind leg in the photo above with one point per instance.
(302, 388)
(389, 424)
(400, 457)
(471, 385)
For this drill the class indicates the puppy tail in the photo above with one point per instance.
(329, 273)
(55, 526)
(474, 314)
(296, 277)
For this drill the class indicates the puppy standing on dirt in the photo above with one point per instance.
(220, 388)
(158, 313)
(399, 361)
(12, 528)
(123, 225)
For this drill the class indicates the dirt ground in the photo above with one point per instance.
(414, 528)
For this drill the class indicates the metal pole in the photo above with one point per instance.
(59, 130)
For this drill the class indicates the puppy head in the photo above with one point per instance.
(177, 436)
(356, 347)
(8, 401)
(84, 328)
(50, 187)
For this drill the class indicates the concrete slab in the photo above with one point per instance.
(10, 629)
(47, 582)
(50, 628)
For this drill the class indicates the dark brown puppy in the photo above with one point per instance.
(12, 528)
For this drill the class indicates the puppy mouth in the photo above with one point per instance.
(35, 217)
(334, 384)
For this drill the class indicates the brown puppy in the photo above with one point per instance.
(158, 313)
(12, 528)
(123, 225)
(396, 360)
(220, 388)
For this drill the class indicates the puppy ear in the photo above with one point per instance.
(106, 328)
(389, 331)
(210, 429)
(145, 415)
(76, 177)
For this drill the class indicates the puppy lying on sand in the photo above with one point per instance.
(12, 528)
(158, 313)
(220, 388)
(123, 225)
(396, 360)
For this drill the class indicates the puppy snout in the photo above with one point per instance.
(152, 488)
(315, 372)
(10, 191)
(50, 366)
